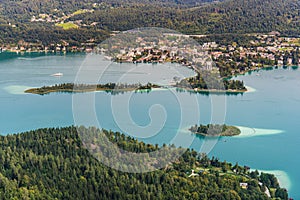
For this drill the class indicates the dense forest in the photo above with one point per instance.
(192, 17)
(242, 16)
(53, 163)
(22, 10)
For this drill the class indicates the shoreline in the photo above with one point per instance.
(35, 90)
(249, 72)
(82, 88)
(212, 91)
(282, 177)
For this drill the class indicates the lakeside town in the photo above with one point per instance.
(266, 50)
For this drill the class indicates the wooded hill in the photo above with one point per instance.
(192, 17)
(52, 163)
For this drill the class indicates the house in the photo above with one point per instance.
(244, 185)
(280, 62)
(247, 168)
(274, 33)
(193, 174)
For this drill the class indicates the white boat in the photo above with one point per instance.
(108, 58)
(58, 74)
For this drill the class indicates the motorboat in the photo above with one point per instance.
(58, 74)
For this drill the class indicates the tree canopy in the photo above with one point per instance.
(52, 163)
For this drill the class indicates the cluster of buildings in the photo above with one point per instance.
(167, 48)
(57, 16)
(266, 49)
(62, 46)
(62, 18)
(272, 47)
(176, 48)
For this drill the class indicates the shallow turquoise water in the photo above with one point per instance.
(274, 105)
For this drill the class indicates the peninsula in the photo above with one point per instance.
(214, 130)
(78, 88)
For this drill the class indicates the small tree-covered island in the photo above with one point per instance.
(214, 130)
(231, 86)
(213, 85)
(77, 88)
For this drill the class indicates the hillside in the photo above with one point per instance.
(248, 16)
(23, 10)
(87, 20)
(53, 164)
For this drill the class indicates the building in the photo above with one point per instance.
(244, 185)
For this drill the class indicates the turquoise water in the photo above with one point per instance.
(271, 113)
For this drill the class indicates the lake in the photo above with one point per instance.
(268, 115)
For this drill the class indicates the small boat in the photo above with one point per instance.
(58, 74)
(108, 58)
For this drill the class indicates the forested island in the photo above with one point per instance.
(219, 85)
(214, 130)
(53, 163)
(232, 86)
(78, 88)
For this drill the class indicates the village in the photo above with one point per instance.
(266, 50)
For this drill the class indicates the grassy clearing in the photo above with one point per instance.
(78, 12)
(68, 25)
(82, 11)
